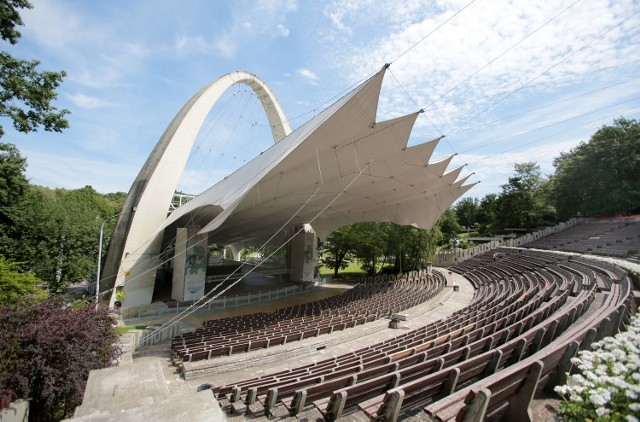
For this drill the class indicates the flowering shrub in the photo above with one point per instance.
(608, 387)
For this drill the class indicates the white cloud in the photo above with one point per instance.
(308, 74)
(283, 31)
(187, 44)
(63, 170)
(85, 101)
(96, 53)
(54, 25)
(471, 40)
(251, 19)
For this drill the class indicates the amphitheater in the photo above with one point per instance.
(484, 333)
(479, 339)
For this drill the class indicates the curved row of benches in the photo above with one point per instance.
(620, 238)
(364, 303)
(510, 391)
(519, 326)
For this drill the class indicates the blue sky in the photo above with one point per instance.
(505, 81)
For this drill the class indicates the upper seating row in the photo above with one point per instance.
(619, 238)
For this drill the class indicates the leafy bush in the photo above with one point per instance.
(16, 286)
(608, 387)
(47, 350)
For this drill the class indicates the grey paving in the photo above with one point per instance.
(137, 392)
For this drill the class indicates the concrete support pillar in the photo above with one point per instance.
(236, 248)
(189, 265)
(304, 255)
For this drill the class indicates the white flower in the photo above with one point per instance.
(609, 373)
(576, 398)
(561, 389)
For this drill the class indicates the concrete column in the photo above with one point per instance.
(304, 255)
(236, 248)
(189, 265)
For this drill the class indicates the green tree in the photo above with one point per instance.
(369, 244)
(13, 183)
(26, 93)
(337, 248)
(411, 248)
(56, 232)
(524, 202)
(487, 213)
(10, 18)
(449, 226)
(466, 210)
(17, 287)
(601, 176)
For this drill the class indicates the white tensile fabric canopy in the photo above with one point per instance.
(340, 167)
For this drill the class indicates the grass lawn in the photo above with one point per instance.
(122, 330)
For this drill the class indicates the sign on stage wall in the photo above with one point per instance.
(195, 268)
(189, 265)
(310, 256)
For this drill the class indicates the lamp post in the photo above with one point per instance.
(100, 253)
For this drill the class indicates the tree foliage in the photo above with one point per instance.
(523, 202)
(449, 226)
(467, 211)
(13, 183)
(10, 18)
(18, 287)
(410, 248)
(600, 177)
(26, 93)
(336, 252)
(369, 241)
(47, 351)
(56, 232)
(487, 213)
(372, 243)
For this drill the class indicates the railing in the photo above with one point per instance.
(223, 302)
(236, 276)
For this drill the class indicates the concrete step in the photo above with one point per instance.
(139, 392)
